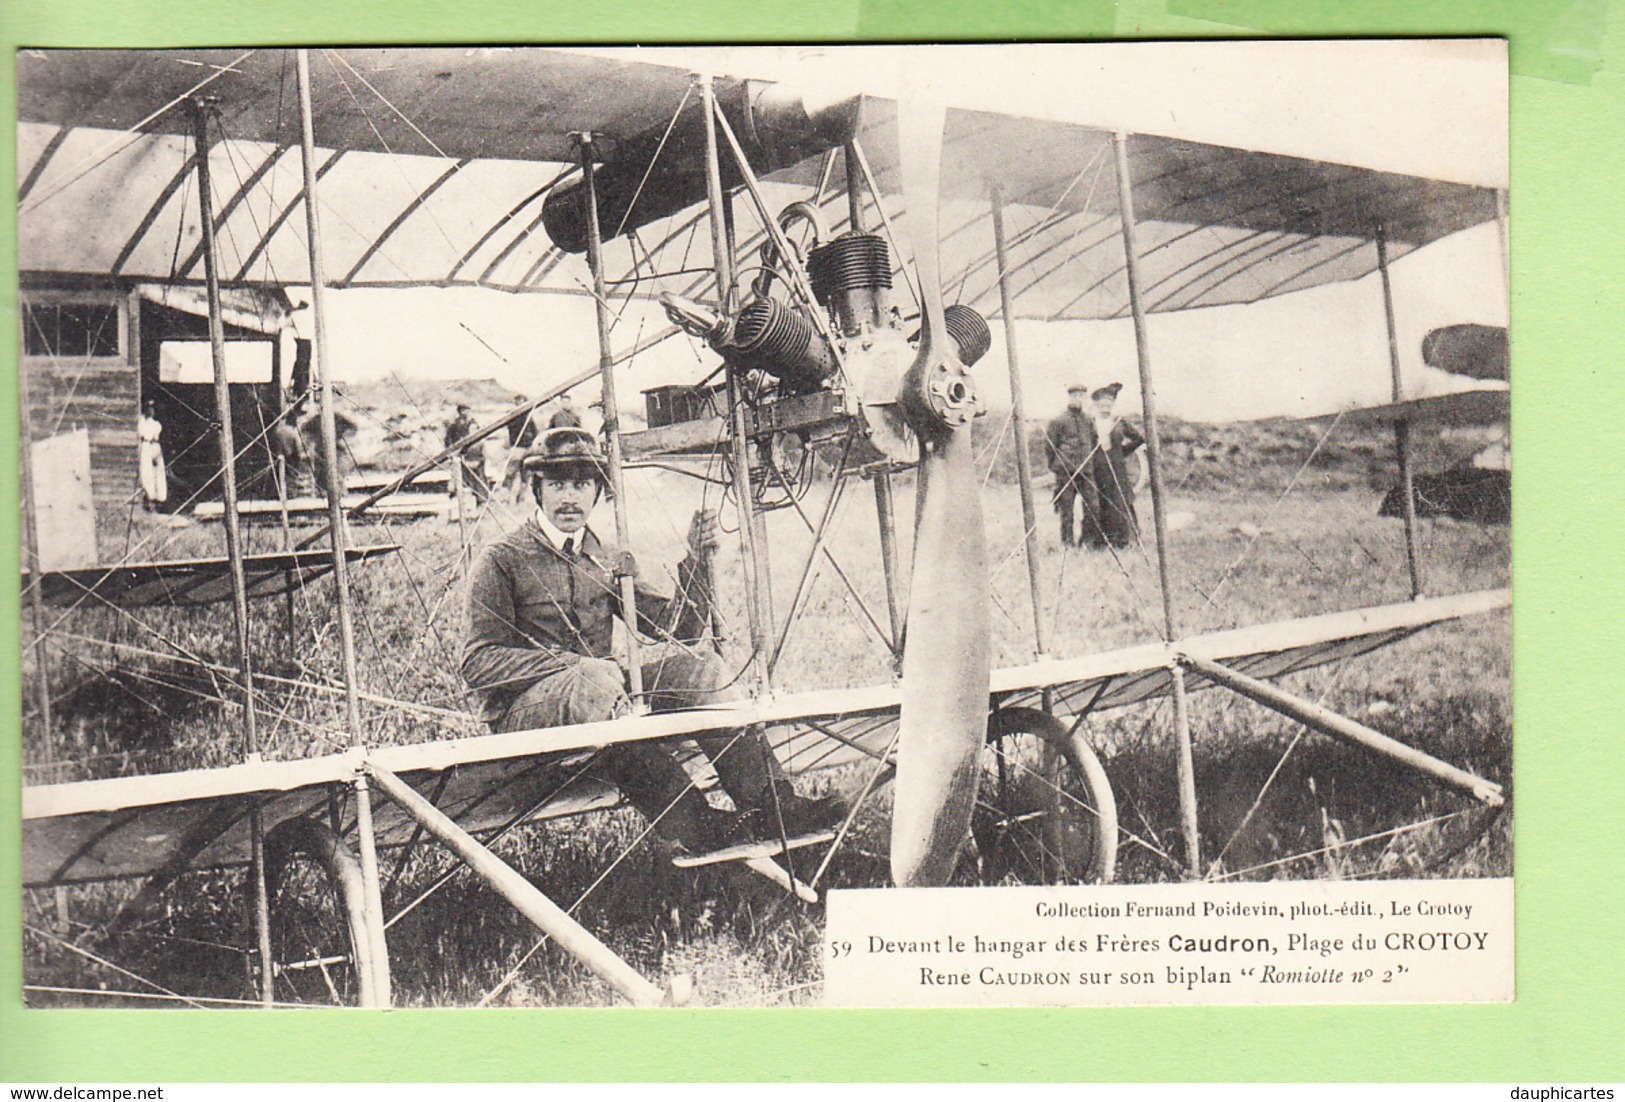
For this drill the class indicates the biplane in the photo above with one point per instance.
(805, 242)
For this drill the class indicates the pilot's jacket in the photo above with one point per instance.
(534, 611)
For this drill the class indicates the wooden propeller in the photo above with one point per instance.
(946, 654)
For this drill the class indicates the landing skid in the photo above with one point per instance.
(749, 851)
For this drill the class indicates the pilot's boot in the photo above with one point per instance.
(804, 814)
(660, 790)
(750, 775)
(698, 827)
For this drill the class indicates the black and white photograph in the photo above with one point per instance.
(924, 525)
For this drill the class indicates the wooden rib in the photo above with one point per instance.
(502, 222)
(157, 208)
(38, 168)
(278, 222)
(411, 208)
(231, 205)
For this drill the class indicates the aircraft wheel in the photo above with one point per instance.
(321, 951)
(1045, 813)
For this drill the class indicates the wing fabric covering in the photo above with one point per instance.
(94, 846)
(429, 184)
(1458, 408)
(947, 656)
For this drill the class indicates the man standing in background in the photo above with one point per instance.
(522, 433)
(470, 459)
(1069, 448)
(288, 451)
(565, 417)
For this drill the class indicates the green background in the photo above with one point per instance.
(1568, 157)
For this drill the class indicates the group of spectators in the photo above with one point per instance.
(522, 432)
(1089, 450)
(292, 438)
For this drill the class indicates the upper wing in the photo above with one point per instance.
(136, 826)
(436, 164)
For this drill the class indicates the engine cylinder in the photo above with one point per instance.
(851, 276)
(969, 331)
(771, 337)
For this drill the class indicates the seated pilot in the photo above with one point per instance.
(542, 603)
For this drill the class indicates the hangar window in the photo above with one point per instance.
(70, 329)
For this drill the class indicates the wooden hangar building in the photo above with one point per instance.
(94, 353)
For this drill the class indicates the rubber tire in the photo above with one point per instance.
(297, 843)
(1096, 861)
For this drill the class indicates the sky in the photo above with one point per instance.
(1301, 354)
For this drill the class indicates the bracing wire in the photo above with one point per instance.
(134, 133)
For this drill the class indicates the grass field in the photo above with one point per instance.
(1269, 522)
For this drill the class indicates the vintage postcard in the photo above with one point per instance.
(854, 526)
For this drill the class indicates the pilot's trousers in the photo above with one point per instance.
(646, 773)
